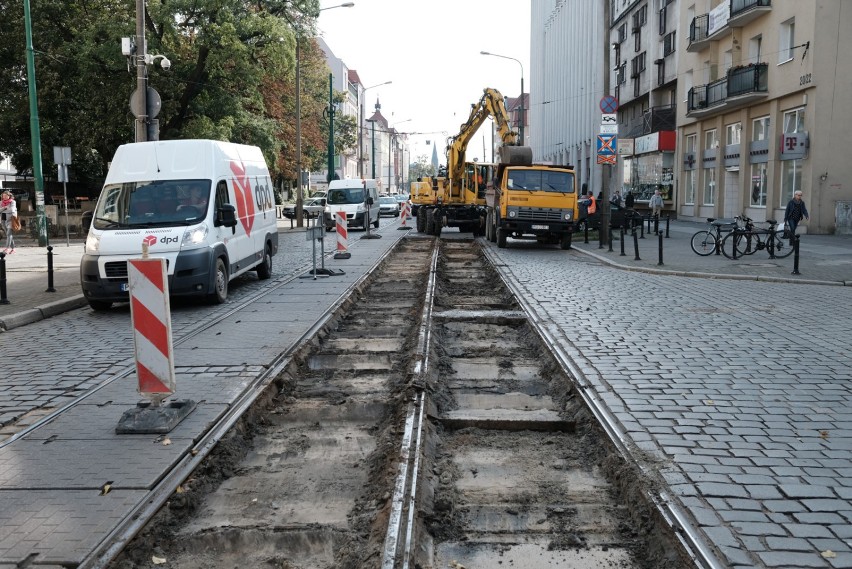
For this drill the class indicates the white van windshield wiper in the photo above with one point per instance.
(109, 223)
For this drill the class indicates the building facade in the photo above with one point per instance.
(567, 63)
(760, 114)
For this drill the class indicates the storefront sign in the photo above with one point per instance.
(661, 141)
(689, 161)
(758, 151)
(732, 156)
(794, 146)
(625, 146)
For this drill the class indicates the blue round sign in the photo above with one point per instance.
(609, 104)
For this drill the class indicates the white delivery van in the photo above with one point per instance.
(358, 198)
(205, 206)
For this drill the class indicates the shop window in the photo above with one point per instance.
(690, 187)
(760, 129)
(758, 185)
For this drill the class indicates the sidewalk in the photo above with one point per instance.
(823, 259)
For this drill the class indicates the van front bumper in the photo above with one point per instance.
(191, 275)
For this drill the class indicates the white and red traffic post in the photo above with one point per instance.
(342, 236)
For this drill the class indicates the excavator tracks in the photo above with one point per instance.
(427, 425)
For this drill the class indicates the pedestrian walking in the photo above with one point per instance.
(656, 204)
(629, 200)
(795, 212)
(616, 198)
(8, 217)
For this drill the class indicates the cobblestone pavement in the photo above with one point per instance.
(734, 393)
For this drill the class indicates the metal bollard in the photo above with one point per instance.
(636, 245)
(586, 231)
(642, 230)
(770, 244)
(50, 269)
(668, 218)
(3, 299)
(656, 224)
(660, 247)
(622, 242)
(795, 255)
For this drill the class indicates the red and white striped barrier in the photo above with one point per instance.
(403, 215)
(152, 327)
(342, 236)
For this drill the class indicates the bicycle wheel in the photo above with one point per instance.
(703, 243)
(744, 243)
(783, 247)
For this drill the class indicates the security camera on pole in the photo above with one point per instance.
(145, 102)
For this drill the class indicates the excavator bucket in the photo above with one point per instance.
(516, 155)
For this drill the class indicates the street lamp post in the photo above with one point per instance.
(361, 128)
(373, 144)
(35, 129)
(392, 134)
(523, 118)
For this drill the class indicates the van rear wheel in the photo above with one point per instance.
(220, 283)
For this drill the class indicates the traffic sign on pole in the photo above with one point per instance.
(609, 104)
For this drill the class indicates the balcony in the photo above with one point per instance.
(721, 21)
(744, 11)
(656, 119)
(698, 39)
(741, 86)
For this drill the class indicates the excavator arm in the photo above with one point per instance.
(490, 105)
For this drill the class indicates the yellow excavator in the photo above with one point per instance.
(514, 198)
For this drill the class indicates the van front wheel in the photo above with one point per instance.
(264, 269)
(220, 283)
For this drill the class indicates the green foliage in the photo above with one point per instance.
(421, 168)
(231, 78)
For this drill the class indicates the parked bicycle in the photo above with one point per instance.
(746, 241)
(707, 242)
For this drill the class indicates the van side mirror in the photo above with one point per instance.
(322, 201)
(226, 215)
(369, 200)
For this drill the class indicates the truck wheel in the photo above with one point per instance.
(421, 223)
(501, 238)
(264, 269)
(565, 242)
(220, 283)
(100, 305)
(430, 222)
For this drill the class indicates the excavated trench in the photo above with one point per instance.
(513, 471)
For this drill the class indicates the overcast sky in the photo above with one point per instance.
(430, 49)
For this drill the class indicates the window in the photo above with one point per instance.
(709, 186)
(791, 170)
(690, 187)
(621, 74)
(754, 46)
(786, 40)
(669, 43)
(760, 129)
(732, 133)
(687, 85)
(637, 65)
(663, 20)
(710, 140)
(637, 40)
(758, 185)
(622, 32)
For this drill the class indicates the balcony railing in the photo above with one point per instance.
(748, 79)
(740, 6)
(739, 82)
(698, 28)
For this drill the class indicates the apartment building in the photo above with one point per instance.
(643, 39)
(761, 112)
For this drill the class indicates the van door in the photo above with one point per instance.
(230, 237)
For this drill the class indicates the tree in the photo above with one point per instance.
(421, 168)
(232, 68)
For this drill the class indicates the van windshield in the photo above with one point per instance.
(152, 204)
(346, 196)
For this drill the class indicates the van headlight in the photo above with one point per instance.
(569, 214)
(93, 244)
(194, 236)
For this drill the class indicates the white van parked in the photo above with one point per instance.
(205, 206)
(358, 198)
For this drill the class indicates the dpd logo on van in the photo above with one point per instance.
(245, 201)
(149, 240)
